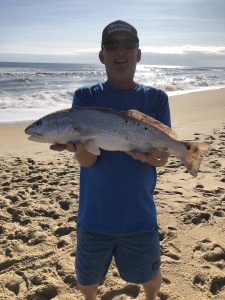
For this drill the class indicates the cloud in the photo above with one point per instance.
(185, 55)
(199, 56)
(184, 49)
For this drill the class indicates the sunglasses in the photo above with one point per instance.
(127, 44)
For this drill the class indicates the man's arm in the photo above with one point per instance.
(85, 158)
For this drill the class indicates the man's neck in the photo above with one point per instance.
(122, 85)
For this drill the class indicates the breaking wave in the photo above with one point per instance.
(29, 87)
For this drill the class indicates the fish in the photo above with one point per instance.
(103, 128)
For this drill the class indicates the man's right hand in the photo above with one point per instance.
(85, 158)
(58, 147)
(69, 147)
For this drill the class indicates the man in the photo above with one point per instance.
(117, 214)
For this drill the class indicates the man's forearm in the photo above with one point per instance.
(85, 158)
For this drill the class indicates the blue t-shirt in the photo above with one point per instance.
(116, 193)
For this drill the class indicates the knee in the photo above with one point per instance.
(154, 283)
(157, 278)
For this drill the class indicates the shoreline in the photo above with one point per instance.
(41, 112)
(197, 112)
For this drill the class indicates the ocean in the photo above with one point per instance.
(31, 90)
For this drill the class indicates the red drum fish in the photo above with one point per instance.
(115, 131)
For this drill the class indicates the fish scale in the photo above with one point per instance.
(112, 133)
(121, 130)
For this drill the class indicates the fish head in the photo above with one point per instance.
(43, 130)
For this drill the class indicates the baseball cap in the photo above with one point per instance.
(116, 27)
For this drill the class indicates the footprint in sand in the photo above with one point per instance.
(47, 292)
(14, 284)
(219, 212)
(199, 281)
(211, 252)
(214, 254)
(130, 290)
(64, 204)
(217, 285)
(196, 217)
(215, 164)
(169, 251)
(60, 231)
(162, 296)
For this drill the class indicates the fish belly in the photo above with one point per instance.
(112, 143)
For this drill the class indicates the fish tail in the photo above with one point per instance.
(194, 155)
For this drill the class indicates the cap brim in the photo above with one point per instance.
(132, 36)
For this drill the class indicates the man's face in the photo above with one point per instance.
(119, 60)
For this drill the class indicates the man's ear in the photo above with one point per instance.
(101, 57)
(138, 55)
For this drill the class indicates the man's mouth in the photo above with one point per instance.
(120, 61)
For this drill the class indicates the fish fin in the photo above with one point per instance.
(91, 147)
(194, 155)
(139, 116)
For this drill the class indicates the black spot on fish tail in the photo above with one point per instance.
(187, 145)
(194, 155)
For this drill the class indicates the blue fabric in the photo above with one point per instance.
(116, 194)
(137, 255)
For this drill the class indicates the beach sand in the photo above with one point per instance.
(39, 191)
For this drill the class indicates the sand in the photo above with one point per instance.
(39, 192)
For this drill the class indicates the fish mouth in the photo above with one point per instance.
(35, 136)
(31, 134)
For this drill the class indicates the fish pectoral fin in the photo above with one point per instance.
(91, 147)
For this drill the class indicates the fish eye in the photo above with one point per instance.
(38, 124)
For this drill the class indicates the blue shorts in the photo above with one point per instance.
(137, 255)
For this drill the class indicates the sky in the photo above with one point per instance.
(172, 32)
